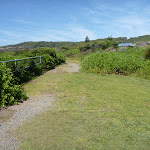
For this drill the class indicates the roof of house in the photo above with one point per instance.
(124, 44)
(142, 44)
(133, 44)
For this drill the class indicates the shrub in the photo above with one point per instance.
(72, 52)
(48, 62)
(10, 93)
(125, 63)
(8, 57)
(144, 72)
(43, 51)
(147, 53)
(60, 58)
(84, 47)
(26, 74)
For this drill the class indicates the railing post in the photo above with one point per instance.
(16, 64)
(40, 60)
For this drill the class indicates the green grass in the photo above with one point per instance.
(91, 112)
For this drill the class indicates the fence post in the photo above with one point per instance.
(16, 64)
(40, 60)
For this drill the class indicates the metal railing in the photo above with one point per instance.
(16, 60)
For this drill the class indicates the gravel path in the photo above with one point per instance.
(24, 111)
(67, 68)
(27, 110)
(72, 68)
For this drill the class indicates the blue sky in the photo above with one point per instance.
(72, 20)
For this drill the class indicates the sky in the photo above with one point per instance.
(72, 20)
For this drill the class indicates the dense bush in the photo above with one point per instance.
(60, 58)
(85, 47)
(10, 93)
(36, 52)
(48, 62)
(42, 51)
(26, 74)
(9, 56)
(125, 63)
(98, 45)
(70, 52)
(144, 72)
(147, 52)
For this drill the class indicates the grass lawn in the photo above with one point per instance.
(91, 112)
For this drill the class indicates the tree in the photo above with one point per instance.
(87, 39)
(110, 38)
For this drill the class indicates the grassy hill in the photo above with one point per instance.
(30, 45)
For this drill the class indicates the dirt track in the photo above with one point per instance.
(27, 110)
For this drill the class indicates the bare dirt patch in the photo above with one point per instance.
(66, 68)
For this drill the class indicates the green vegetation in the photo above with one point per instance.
(88, 47)
(144, 38)
(93, 111)
(87, 39)
(10, 91)
(126, 63)
(147, 53)
(98, 108)
(31, 45)
(98, 45)
(100, 56)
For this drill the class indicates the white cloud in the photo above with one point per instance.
(24, 21)
(78, 32)
(47, 36)
(124, 19)
(71, 32)
(8, 42)
(73, 18)
(102, 18)
(12, 34)
(4, 32)
(90, 11)
(133, 21)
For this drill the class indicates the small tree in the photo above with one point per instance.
(87, 39)
(110, 38)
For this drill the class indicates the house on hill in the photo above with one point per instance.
(125, 45)
(141, 44)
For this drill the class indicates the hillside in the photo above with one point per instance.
(50, 44)
(31, 45)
